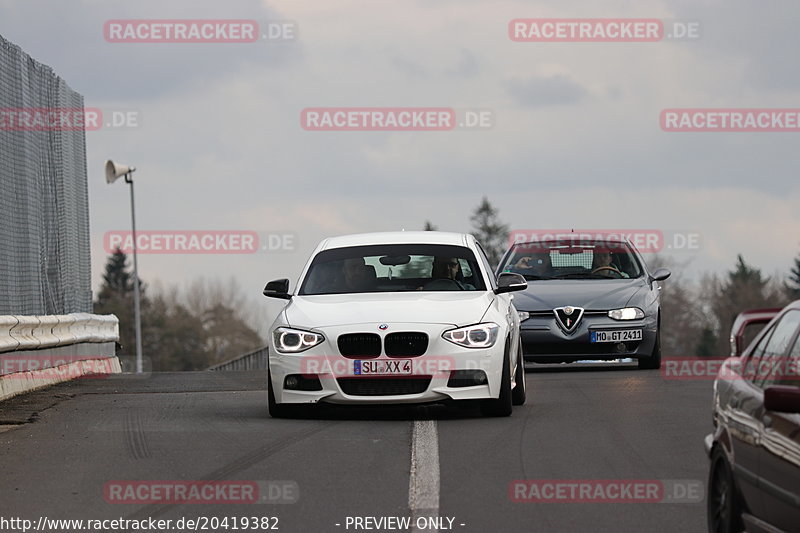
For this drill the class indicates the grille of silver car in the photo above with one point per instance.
(582, 348)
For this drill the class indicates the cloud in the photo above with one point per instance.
(575, 140)
(467, 66)
(70, 39)
(759, 38)
(548, 91)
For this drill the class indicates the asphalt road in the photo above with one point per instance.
(60, 448)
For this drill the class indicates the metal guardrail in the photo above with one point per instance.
(255, 360)
(48, 331)
(41, 350)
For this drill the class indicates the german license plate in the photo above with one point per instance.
(382, 367)
(619, 335)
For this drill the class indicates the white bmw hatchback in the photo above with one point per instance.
(395, 318)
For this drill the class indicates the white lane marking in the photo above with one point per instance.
(423, 484)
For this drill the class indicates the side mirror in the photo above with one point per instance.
(510, 282)
(278, 288)
(782, 398)
(660, 274)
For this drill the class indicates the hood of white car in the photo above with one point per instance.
(446, 307)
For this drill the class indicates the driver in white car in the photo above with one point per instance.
(449, 268)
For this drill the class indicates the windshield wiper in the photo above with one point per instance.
(581, 275)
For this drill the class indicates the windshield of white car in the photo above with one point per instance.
(592, 260)
(393, 268)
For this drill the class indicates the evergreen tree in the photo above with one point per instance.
(745, 288)
(490, 232)
(116, 298)
(117, 281)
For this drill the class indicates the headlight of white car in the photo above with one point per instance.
(477, 336)
(626, 313)
(289, 340)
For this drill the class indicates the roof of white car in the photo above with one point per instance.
(396, 237)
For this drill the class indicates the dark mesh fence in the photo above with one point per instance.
(44, 211)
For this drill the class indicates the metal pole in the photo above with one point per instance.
(136, 309)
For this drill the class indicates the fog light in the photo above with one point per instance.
(302, 382)
(467, 378)
(621, 347)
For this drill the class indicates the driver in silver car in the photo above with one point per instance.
(603, 265)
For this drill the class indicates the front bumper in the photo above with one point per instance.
(708, 444)
(430, 381)
(543, 341)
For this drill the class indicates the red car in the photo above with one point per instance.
(747, 325)
(754, 477)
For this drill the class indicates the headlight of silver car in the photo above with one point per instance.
(626, 313)
(477, 336)
(289, 340)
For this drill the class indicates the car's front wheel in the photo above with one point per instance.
(518, 393)
(654, 361)
(724, 509)
(502, 406)
(278, 410)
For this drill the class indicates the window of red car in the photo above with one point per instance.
(791, 373)
(769, 361)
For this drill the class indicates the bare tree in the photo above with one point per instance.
(682, 317)
(792, 286)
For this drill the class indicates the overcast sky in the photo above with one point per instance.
(575, 141)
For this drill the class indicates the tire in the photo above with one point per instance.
(518, 393)
(277, 410)
(502, 406)
(654, 361)
(723, 507)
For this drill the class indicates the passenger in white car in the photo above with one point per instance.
(357, 275)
